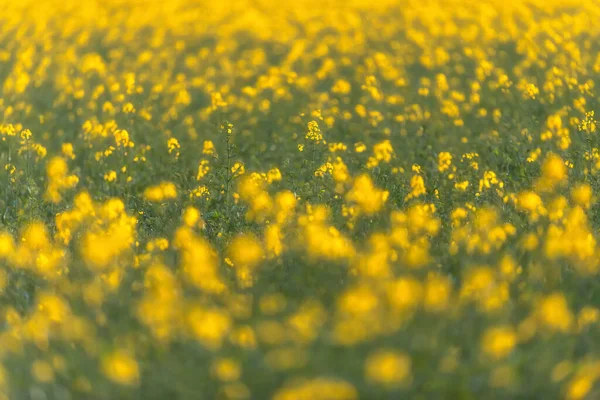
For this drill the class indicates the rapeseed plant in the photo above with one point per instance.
(299, 200)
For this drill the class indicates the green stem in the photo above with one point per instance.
(228, 168)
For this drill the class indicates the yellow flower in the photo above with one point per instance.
(341, 86)
(553, 312)
(388, 367)
(217, 101)
(582, 195)
(499, 341)
(444, 161)
(200, 192)
(360, 147)
(208, 326)
(366, 196)
(59, 179)
(317, 389)
(383, 151)
(122, 139)
(110, 176)
(42, 371)
(35, 236)
(532, 203)
(554, 172)
(208, 147)
(274, 175)
(273, 240)
(587, 316)
(417, 185)
(120, 367)
(67, 150)
(437, 293)
(238, 169)
(405, 293)
(161, 192)
(245, 250)
(226, 369)
(579, 387)
(173, 146)
(314, 132)
(203, 169)
(191, 216)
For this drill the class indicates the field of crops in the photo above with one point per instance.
(313, 199)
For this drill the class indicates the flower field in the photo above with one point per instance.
(330, 200)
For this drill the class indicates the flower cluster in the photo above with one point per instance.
(299, 200)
